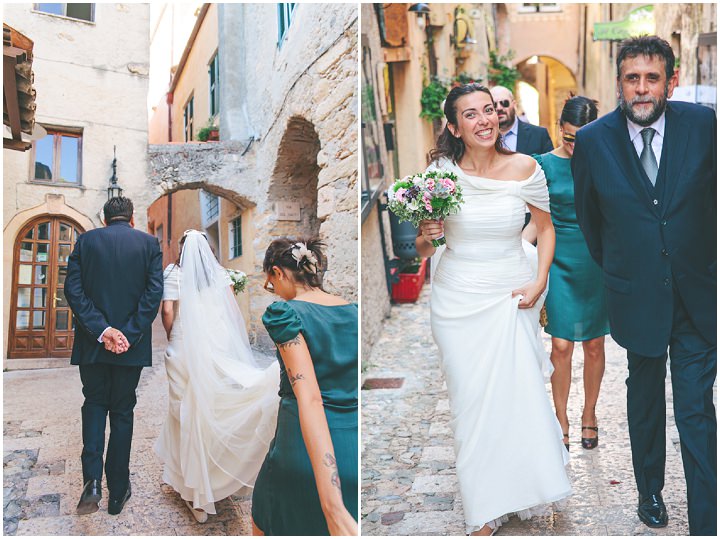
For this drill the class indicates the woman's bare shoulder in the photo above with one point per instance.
(520, 166)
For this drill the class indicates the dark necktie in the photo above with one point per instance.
(647, 157)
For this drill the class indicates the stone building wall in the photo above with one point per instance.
(91, 76)
(288, 130)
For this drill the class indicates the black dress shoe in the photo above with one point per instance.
(116, 506)
(651, 511)
(91, 494)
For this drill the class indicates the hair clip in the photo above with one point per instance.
(304, 257)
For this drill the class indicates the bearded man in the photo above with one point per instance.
(645, 194)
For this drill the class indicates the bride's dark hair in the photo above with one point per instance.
(449, 145)
(181, 243)
(279, 253)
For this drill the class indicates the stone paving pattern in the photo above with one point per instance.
(409, 485)
(42, 474)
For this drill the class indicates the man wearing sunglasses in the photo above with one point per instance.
(518, 136)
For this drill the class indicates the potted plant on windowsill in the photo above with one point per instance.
(209, 133)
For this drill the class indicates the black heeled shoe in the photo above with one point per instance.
(590, 443)
(567, 435)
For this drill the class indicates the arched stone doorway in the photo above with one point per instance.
(226, 218)
(553, 82)
(294, 185)
(41, 323)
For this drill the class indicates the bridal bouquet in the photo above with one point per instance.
(239, 280)
(430, 195)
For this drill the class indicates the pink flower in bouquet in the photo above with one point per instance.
(400, 194)
(427, 202)
(448, 184)
(430, 184)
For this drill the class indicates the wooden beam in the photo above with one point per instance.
(16, 144)
(10, 96)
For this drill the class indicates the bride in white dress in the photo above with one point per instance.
(222, 405)
(486, 299)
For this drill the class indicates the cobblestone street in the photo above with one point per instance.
(41, 462)
(409, 485)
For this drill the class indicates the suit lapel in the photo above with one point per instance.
(675, 142)
(522, 135)
(623, 151)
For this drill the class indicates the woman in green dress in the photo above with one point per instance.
(576, 310)
(308, 484)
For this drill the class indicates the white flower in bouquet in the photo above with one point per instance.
(431, 195)
(239, 280)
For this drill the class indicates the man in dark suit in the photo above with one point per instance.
(113, 286)
(645, 193)
(518, 136)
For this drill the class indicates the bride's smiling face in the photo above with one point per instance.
(477, 120)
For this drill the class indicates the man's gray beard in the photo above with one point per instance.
(657, 110)
(507, 124)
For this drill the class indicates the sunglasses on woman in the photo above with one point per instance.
(268, 285)
(567, 137)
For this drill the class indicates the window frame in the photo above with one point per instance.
(214, 85)
(372, 186)
(58, 133)
(210, 209)
(284, 17)
(191, 123)
(232, 244)
(532, 7)
(36, 9)
(161, 235)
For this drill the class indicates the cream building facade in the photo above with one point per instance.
(91, 76)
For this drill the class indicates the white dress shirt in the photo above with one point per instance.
(657, 141)
(509, 139)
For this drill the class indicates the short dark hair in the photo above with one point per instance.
(578, 111)
(118, 209)
(647, 46)
(279, 253)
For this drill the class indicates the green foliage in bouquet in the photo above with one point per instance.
(430, 195)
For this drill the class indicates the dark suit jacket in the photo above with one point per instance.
(532, 139)
(650, 240)
(114, 278)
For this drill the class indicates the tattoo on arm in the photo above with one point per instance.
(330, 462)
(293, 379)
(291, 342)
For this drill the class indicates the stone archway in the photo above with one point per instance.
(293, 189)
(554, 82)
(225, 216)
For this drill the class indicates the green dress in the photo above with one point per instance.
(285, 500)
(576, 308)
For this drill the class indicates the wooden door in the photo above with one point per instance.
(41, 323)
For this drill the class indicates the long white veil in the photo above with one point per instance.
(229, 409)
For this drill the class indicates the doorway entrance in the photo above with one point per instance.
(41, 323)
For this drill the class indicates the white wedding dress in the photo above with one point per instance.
(222, 406)
(508, 442)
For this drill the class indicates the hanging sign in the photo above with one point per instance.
(638, 22)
